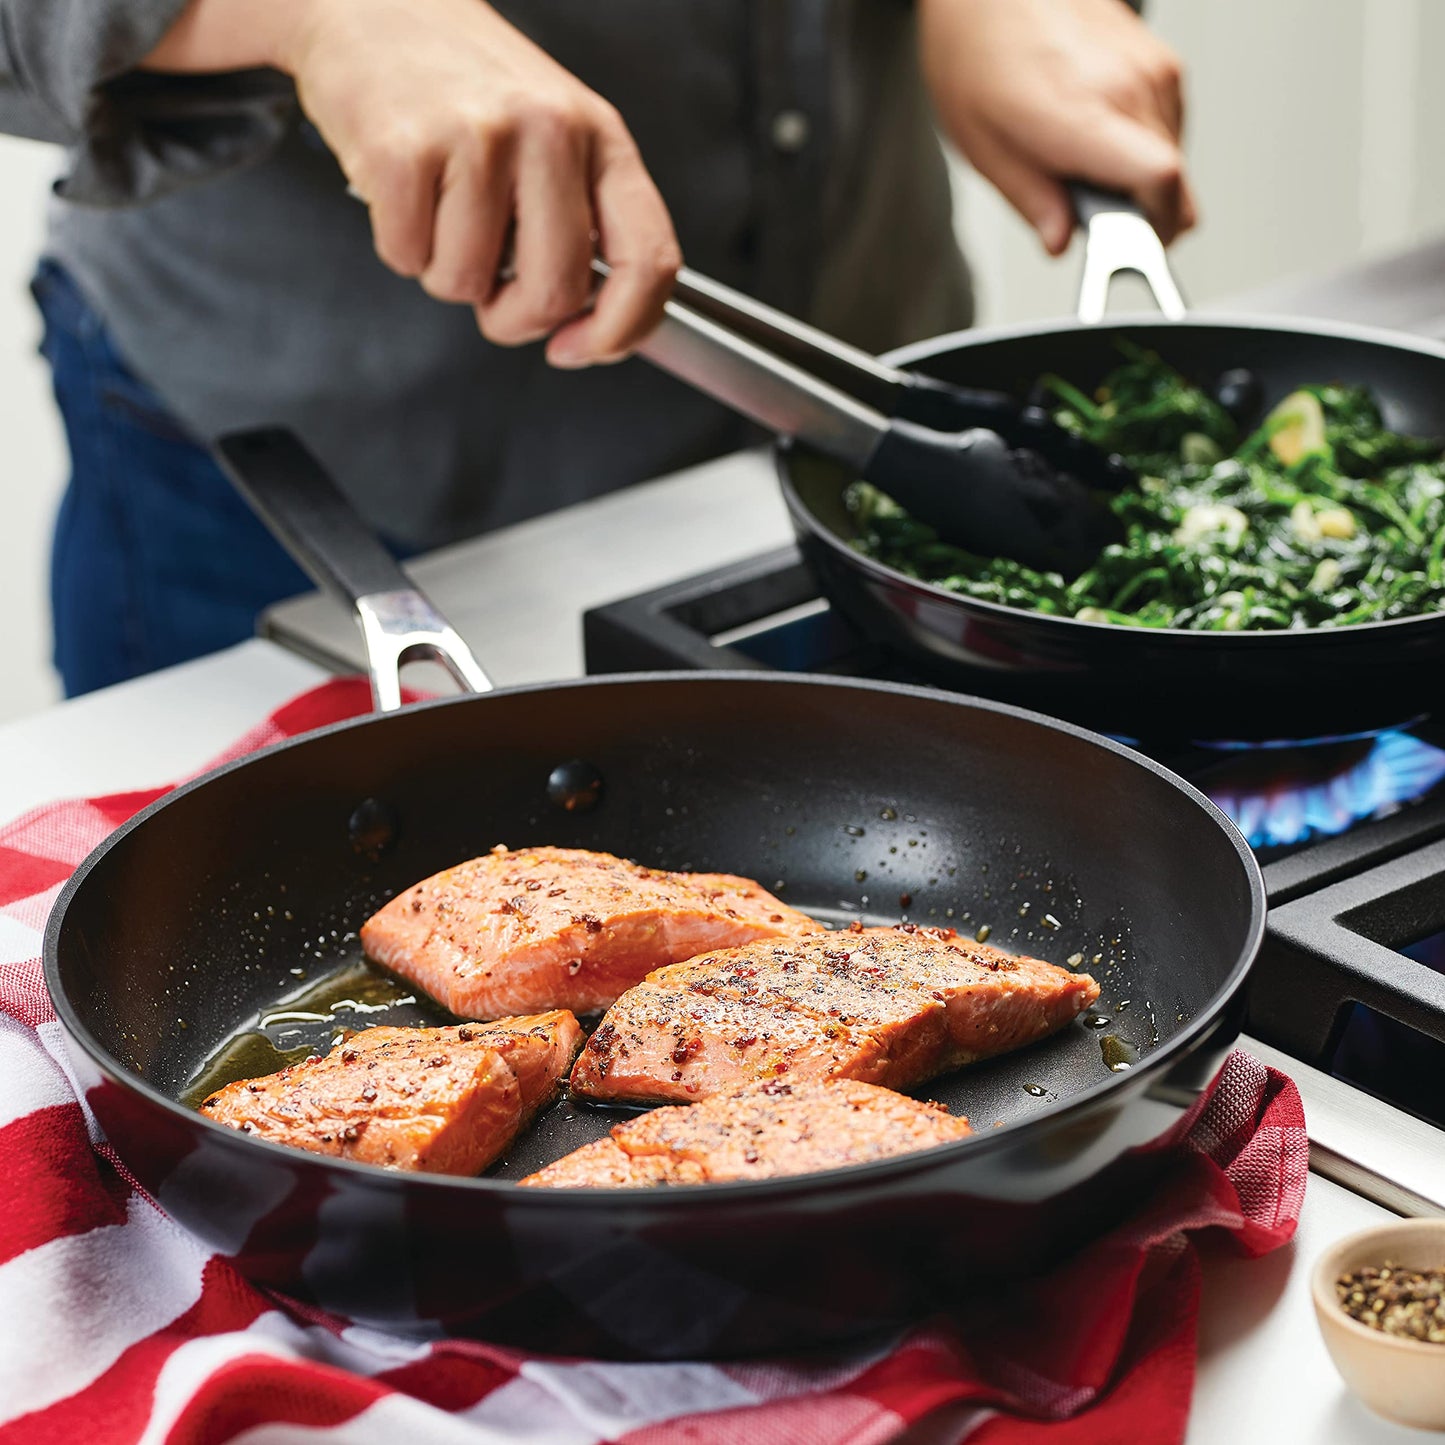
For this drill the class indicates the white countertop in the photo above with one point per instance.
(517, 597)
(1264, 1375)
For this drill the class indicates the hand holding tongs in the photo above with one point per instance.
(990, 473)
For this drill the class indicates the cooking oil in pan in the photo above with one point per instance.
(357, 995)
(1119, 1054)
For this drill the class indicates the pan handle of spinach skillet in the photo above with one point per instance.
(291, 492)
(1117, 237)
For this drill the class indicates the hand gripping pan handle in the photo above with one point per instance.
(1118, 237)
(291, 492)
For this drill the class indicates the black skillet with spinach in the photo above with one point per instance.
(1319, 517)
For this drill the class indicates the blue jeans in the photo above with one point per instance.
(156, 559)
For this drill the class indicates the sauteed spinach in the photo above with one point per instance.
(1319, 517)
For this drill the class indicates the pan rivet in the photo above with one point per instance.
(575, 786)
(372, 828)
(1239, 392)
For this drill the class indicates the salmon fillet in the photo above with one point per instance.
(891, 1006)
(756, 1132)
(537, 928)
(538, 1048)
(446, 1101)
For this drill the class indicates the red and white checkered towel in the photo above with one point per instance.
(116, 1325)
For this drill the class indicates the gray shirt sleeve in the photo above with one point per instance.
(68, 74)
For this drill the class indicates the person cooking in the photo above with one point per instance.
(295, 212)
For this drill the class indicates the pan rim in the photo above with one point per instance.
(984, 1142)
(918, 353)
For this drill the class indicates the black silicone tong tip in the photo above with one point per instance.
(995, 489)
(988, 497)
(949, 408)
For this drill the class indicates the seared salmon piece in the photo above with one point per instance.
(605, 1164)
(890, 1006)
(663, 1042)
(757, 1132)
(445, 1101)
(519, 931)
(539, 1050)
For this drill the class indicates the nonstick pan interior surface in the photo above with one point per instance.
(1145, 682)
(240, 897)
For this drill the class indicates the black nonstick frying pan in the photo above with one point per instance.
(222, 920)
(1165, 684)
(1156, 684)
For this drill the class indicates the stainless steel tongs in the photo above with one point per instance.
(989, 472)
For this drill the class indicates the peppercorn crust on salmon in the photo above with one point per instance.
(757, 1132)
(891, 1006)
(536, 928)
(538, 1048)
(444, 1101)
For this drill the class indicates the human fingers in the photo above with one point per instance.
(1188, 207)
(473, 217)
(1135, 68)
(635, 235)
(1153, 176)
(552, 244)
(1096, 142)
(397, 174)
(1152, 76)
(1148, 84)
(1035, 194)
(1166, 79)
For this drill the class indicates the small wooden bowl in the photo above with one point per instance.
(1401, 1379)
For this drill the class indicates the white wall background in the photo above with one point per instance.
(1314, 136)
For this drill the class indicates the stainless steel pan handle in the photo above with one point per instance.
(310, 517)
(1118, 238)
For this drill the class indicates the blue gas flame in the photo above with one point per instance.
(1397, 769)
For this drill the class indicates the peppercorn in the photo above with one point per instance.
(1395, 1299)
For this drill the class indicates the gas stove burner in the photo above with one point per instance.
(1289, 745)
(1279, 796)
